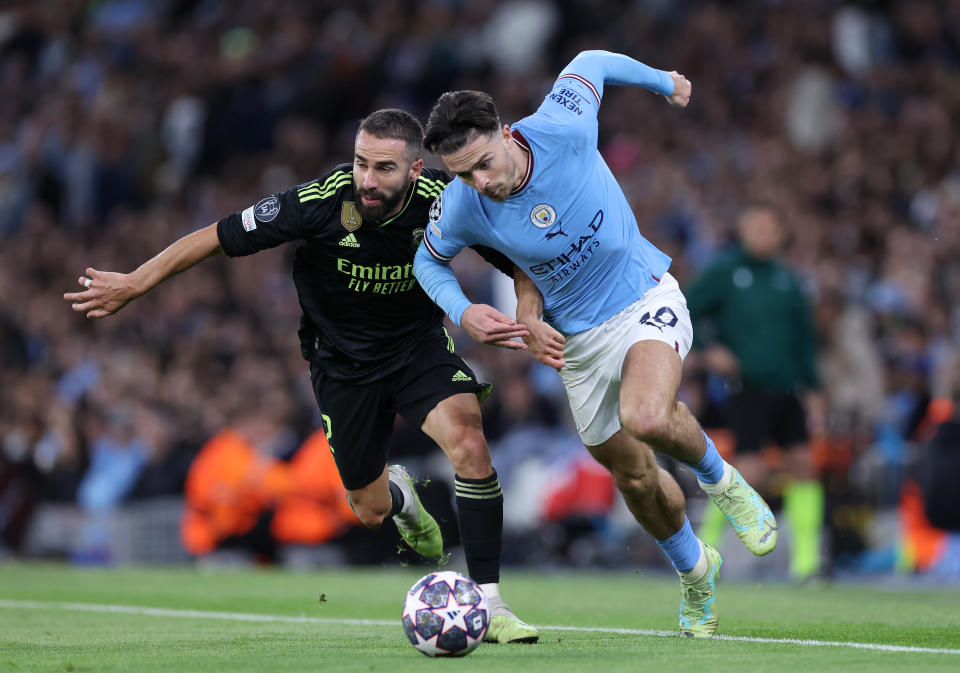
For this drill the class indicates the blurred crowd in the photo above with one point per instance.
(125, 124)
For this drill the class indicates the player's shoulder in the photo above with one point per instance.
(435, 175)
(456, 197)
(330, 187)
(567, 111)
(541, 133)
(429, 185)
(454, 211)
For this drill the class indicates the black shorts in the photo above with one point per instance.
(358, 418)
(756, 417)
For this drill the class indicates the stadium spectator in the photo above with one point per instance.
(753, 321)
(238, 493)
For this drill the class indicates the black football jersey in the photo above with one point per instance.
(363, 310)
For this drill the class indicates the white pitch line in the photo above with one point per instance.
(248, 617)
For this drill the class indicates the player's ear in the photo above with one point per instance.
(505, 132)
(415, 169)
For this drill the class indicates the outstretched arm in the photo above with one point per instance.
(107, 292)
(482, 322)
(596, 68)
(544, 342)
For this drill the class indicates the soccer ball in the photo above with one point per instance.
(445, 614)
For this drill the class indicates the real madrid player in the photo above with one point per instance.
(375, 342)
(616, 324)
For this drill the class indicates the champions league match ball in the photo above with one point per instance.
(445, 614)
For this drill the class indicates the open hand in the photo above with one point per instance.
(105, 293)
(545, 344)
(489, 326)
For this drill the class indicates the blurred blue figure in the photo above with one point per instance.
(117, 458)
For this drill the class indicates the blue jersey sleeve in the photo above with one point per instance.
(440, 283)
(571, 110)
(596, 68)
(574, 100)
(442, 240)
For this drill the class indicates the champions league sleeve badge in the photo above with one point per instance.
(266, 209)
(436, 211)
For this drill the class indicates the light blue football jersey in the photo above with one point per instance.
(568, 226)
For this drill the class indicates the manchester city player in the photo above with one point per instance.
(375, 342)
(614, 320)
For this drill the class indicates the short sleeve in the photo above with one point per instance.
(266, 224)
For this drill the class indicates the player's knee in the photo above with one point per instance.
(372, 519)
(635, 482)
(469, 454)
(370, 514)
(649, 425)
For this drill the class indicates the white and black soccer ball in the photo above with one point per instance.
(445, 614)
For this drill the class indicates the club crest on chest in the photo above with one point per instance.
(350, 217)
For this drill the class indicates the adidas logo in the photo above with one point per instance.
(460, 376)
(349, 241)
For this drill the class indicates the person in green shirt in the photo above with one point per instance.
(753, 324)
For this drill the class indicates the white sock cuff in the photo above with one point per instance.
(491, 591)
(699, 569)
(713, 489)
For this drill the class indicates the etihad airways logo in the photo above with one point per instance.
(580, 249)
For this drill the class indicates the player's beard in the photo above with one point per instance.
(387, 202)
(493, 193)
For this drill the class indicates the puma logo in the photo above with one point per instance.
(558, 232)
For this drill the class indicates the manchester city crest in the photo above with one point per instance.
(543, 215)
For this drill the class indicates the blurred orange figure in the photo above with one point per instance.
(230, 484)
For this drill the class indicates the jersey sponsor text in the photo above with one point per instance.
(577, 253)
(378, 279)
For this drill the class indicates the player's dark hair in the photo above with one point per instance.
(457, 118)
(396, 124)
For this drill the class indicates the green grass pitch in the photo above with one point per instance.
(56, 618)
